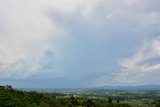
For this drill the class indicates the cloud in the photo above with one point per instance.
(139, 63)
(144, 63)
(146, 60)
(50, 38)
(27, 30)
(45, 64)
(143, 68)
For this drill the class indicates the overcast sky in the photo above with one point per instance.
(79, 43)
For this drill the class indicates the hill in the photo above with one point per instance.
(141, 87)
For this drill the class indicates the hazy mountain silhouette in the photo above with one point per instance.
(141, 87)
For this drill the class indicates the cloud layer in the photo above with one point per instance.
(80, 41)
(144, 66)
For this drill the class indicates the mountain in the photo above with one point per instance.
(141, 87)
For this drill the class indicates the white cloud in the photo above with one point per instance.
(26, 32)
(140, 69)
(26, 29)
(146, 60)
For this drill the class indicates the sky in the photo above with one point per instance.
(79, 43)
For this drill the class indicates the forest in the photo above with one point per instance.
(10, 97)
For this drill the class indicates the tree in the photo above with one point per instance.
(43, 104)
(72, 98)
(89, 103)
(74, 101)
(117, 100)
(110, 100)
(8, 87)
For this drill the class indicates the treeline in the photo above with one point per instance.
(126, 94)
(10, 97)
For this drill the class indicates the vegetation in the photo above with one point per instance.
(15, 98)
(10, 97)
